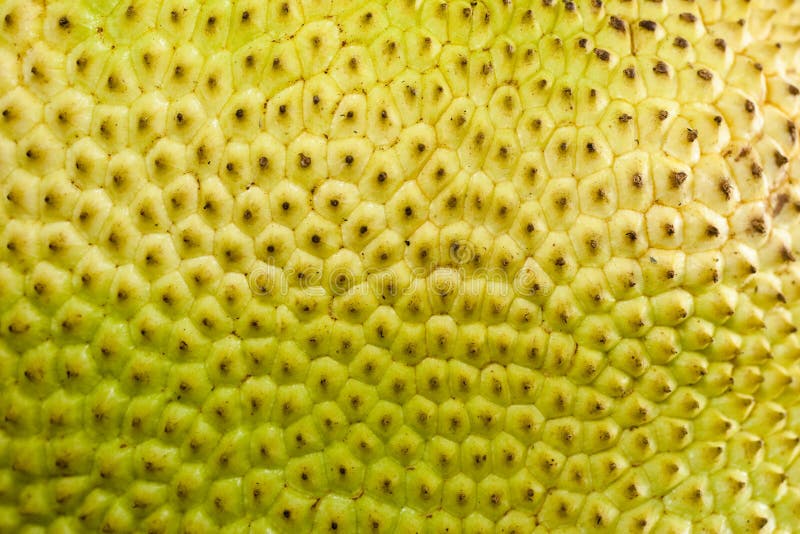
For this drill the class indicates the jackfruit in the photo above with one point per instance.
(399, 266)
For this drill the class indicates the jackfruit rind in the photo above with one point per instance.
(399, 266)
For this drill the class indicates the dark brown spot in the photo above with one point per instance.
(648, 25)
(617, 23)
(680, 42)
(661, 68)
(726, 188)
(601, 54)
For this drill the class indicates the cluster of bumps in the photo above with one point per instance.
(423, 266)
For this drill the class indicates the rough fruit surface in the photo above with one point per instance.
(407, 266)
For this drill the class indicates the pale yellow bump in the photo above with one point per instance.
(149, 211)
(619, 127)
(659, 77)
(697, 334)
(166, 160)
(672, 307)
(562, 313)
(742, 112)
(654, 117)
(590, 241)
(560, 203)
(284, 113)
(505, 106)
(156, 255)
(21, 195)
(233, 249)
(627, 230)
(317, 42)
(43, 71)
(533, 282)
(452, 127)
(282, 68)
(432, 374)
(267, 160)
(68, 113)
(289, 203)
(475, 144)
(241, 117)
(192, 236)
(438, 172)
(249, 60)
(180, 197)
(704, 270)
(85, 62)
(775, 161)
(184, 71)
(449, 205)
(459, 22)
(350, 116)
(353, 69)
(562, 99)
(503, 153)
(40, 152)
(592, 101)
(422, 49)
(592, 290)
(703, 228)
(90, 212)
(383, 117)
(251, 211)
(388, 51)
(482, 77)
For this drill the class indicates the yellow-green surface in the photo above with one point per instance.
(417, 267)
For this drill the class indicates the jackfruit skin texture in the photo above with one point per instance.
(408, 266)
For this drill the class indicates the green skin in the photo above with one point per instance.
(401, 266)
